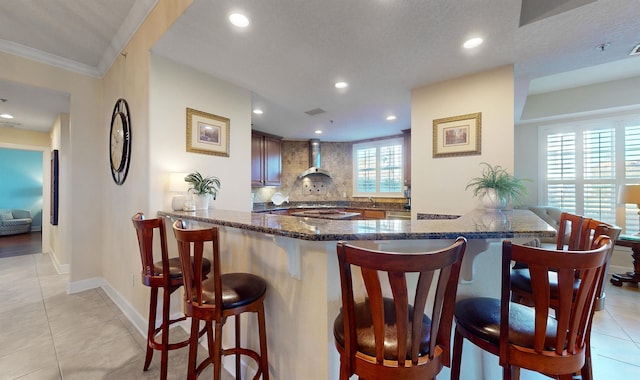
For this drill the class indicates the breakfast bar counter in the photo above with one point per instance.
(478, 224)
(297, 258)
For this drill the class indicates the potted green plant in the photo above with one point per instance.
(496, 187)
(203, 187)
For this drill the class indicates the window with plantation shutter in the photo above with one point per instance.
(586, 164)
(378, 168)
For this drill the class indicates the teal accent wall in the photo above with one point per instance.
(21, 182)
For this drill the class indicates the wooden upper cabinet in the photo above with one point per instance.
(407, 156)
(257, 166)
(266, 160)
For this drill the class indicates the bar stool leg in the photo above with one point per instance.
(166, 306)
(457, 355)
(217, 353)
(262, 332)
(237, 323)
(153, 302)
(193, 349)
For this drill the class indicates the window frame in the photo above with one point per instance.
(378, 144)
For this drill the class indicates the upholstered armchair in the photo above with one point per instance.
(15, 222)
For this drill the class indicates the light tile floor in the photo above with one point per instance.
(46, 334)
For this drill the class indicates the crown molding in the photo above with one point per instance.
(138, 13)
(47, 58)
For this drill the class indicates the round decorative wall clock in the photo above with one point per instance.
(120, 141)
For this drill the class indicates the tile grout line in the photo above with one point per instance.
(46, 313)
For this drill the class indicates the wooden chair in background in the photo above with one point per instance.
(213, 300)
(159, 273)
(388, 337)
(528, 337)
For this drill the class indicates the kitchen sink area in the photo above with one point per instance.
(400, 214)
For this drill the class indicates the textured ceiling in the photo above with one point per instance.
(294, 50)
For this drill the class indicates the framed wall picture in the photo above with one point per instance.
(457, 135)
(53, 211)
(207, 133)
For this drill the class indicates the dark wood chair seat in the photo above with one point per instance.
(480, 317)
(366, 336)
(238, 289)
(175, 270)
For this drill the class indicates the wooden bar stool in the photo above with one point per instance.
(528, 337)
(165, 274)
(391, 337)
(213, 300)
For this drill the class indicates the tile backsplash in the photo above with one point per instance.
(335, 157)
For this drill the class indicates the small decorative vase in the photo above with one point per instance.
(177, 202)
(492, 201)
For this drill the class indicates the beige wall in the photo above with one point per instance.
(18, 137)
(129, 78)
(438, 184)
(174, 87)
(81, 240)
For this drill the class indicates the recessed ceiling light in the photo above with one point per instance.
(257, 111)
(6, 116)
(318, 132)
(473, 42)
(341, 85)
(391, 117)
(239, 20)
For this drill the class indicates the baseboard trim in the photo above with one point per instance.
(60, 268)
(137, 320)
(82, 285)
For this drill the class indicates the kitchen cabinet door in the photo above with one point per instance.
(272, 161)
(266, 160)
(374, 214)
(257, 166)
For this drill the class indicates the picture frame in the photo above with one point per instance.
(53, 211)
(207, 133)
(457, 135)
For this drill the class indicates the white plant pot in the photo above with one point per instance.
(202, 201)
(491, 201)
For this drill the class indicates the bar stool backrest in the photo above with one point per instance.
(574, 310)
(146, 230)
(437, 270)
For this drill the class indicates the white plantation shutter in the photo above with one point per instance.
(391, 168)
(561, 171)
(586, 164)
(599, 187)
(378, 168)
(632, 173)
(366, 164)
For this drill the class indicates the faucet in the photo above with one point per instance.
(373, 202)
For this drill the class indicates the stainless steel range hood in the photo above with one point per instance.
(314, 161)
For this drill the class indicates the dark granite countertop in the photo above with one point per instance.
(477, 224)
